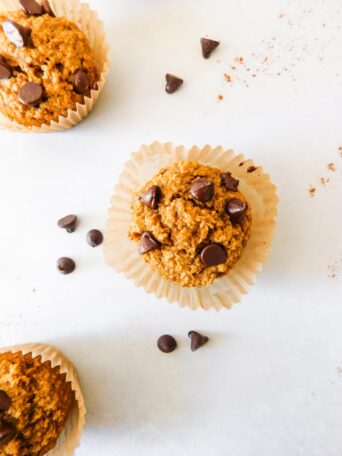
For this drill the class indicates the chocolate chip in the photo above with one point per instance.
(6, 70)
(5, 401)
(47, 8)
(16, 33)
(81, 81)
(213, 255)
(197, 340)
(251, 169)
(31, 7)
(202, 190)
(31, 94)
(208, 46)
(152, 197)
(167, 344)
(237, 210)
(66, 265)
(230, 182)
(7, 432)
(68, 223)
(148, 243)
(94, 238)
(172, 83)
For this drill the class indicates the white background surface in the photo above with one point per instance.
(269, 382)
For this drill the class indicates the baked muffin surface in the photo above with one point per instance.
(40, 400)
(54, 54)
(184, 221)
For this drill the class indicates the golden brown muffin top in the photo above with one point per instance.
(192, 223)
(55, 55)
(40, 400)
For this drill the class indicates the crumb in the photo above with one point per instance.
(340, 149)
(220, 97)
(331, 166)
(227, 77)
(233, 67)
(324, 181)
(312, 191)
(239, 60)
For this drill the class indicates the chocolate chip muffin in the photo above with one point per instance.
(192, 223)
(35, 400)
(46, 65)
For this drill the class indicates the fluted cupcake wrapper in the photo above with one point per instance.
(122, 254)
(69, 439)
(93, 28)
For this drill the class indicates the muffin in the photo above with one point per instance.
(35, 402)
(193, 226)
(192, 223)
(47, 66)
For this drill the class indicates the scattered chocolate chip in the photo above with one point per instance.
(148, 243)
(251, 169)
(31, 94)
(94, 238)
(208, 46)
(16, 33)
(167, 344)
(213, 255)
(7, 432)
(237, 210)
(6, 70)
(197, 340)
(68, 223)
(172, 83)
(31, 7)
(47, 8)
(81, 81)
(66, 265)
(202, 190)
(152, 197)
(5, 401)
(230, 182)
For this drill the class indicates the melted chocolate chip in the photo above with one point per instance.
(81, 81)
(47, 8)
(172, 83)
(5, 401)
(31, 94)
(251, 169)
(31, 7)
(230, 182)
(148, 243)
(94, 238)
(6, 71)
(197, 340)
(167, 344)
(68, 223)
(202, 190)
(213, 255)
(7, 432)
(237, 210)
(151, 198)
(16, 33)
(208, 46)
(66, 265)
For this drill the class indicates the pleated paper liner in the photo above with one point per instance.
(93, 28)
(69, 439)
(122, 254)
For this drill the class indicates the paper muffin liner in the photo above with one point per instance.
(122, 254)
(93, 28)
(69, 439)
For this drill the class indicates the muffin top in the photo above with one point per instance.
(46, 66)
(192, 223)
(34, 403)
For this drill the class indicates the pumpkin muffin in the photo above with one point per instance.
(46, 65)
(35, 400)
(192, 223)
